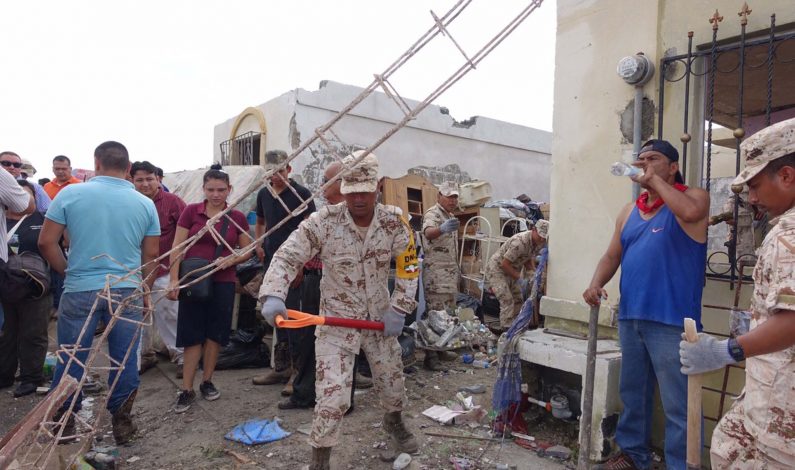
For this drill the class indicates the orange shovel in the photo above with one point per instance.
(296, 319)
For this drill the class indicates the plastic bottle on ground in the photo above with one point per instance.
(481, 364)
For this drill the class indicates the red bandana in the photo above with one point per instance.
(643, 198)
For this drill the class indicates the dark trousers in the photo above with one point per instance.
(56, 288)
(23, 340)
(302, 343)
(283, 356)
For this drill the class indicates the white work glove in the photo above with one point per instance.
(393, 322)
(273, 306)
(449, 225)
(704, 355)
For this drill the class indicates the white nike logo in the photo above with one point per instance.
(655, 230)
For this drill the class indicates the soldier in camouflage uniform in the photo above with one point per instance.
(356, 240)
(440, 271)
(758, 432)
(504, 269)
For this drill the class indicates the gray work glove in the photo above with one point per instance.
(393, 322)
(704, 355)
(273, 306)
(449, 225)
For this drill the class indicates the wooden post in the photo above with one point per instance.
(586, 419)
(693, 406)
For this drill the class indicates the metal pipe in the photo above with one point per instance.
(586, 418)
(636, 132)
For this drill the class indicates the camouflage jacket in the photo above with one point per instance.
(355, 272)
(770, 378)
(443, 251)
(518, 250)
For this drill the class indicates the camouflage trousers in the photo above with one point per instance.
(734, 447)
(334, 378)
(510, 296)
(437, 301)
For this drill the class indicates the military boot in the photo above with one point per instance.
(321, 457)
(404, 440)
(282, 368)
(123, 426)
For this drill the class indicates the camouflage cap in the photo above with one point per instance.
(449, 188)
(363, 178)
(275, 159)
(770, 143)
(542, 227)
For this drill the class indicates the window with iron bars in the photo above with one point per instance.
(242, 150)
(731, 88)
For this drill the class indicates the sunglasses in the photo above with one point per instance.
(14, 164)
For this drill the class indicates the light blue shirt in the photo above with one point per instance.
(106, 216)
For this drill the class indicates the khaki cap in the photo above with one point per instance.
(363, 178)
(448, 188)
(542, 227)
(28, 168)
(275, 160)
(770, 143)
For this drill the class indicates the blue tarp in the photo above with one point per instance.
(257, 431)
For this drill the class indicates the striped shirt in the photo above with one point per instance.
(12, 197)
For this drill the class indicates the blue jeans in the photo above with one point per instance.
(649, 352)
(73, 312)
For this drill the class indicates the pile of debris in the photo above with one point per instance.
(442, 330)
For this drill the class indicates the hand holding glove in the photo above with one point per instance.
(273, 306)
(704, 355)
(449, 225)
(393, 322)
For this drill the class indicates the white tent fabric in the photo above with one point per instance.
(188, 184)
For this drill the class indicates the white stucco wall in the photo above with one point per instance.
(513, 158)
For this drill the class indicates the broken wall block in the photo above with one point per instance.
(569, 355)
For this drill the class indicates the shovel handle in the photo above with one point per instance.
(296, 319)
(694, 383)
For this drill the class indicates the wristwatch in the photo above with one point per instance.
(735, 350)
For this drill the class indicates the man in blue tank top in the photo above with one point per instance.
(660, 245)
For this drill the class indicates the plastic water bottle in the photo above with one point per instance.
(624, 169)
(481, 363)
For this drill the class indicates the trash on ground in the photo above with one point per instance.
(239, 458)
(258, 431)
(558, 452)
(473, 389)
(461, 463)
(305, 428)
(402, 461)
(454, 329)
(102, 458)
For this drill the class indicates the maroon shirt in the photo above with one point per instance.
(169, 207)
(194, 218)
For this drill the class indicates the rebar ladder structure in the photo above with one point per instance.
(35, 448)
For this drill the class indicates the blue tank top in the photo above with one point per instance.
(662, 270)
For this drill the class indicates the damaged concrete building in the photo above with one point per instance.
(514, 159)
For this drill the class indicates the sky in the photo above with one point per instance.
(158, 75)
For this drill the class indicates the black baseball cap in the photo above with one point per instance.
(664, 147)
